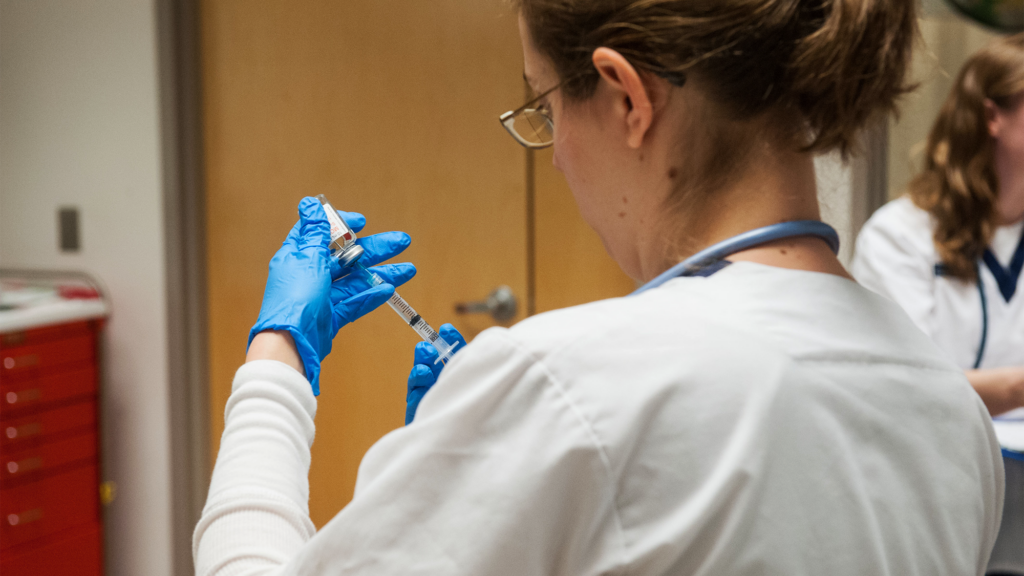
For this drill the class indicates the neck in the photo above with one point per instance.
(1010, 179)
(776, 186)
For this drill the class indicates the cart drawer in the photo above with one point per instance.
(31, 429)
(40, 360)
(34, 336)
(52, 504)
(34, 462)
(77, 551)
(20, 396)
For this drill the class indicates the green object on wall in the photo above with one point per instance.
(1003, 15)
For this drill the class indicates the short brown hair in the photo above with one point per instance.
(831, 64)
(958, 185)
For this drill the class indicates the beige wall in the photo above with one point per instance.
(835, 180)
(948, 40)
(79, 125)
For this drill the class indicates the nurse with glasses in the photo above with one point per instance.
(750, 410)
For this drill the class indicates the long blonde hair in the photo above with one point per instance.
(958, 185)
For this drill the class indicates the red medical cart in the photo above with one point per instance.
(50, 521)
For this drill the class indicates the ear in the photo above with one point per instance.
(630, 90)
(993, 118)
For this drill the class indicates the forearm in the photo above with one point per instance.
(256, 516)
(1001, 389)
(275, 345)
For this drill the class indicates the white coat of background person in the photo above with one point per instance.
(762, 414)
(951, 252)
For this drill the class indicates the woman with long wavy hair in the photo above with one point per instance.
(951, 250)
(955, 239)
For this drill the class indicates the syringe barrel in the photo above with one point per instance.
(410, 317)
(430, 336)
(397, 303)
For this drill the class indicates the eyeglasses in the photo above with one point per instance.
(533, 126)
(530, 125)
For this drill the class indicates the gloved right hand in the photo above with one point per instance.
(425, 370)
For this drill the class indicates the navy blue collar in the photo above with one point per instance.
(1006, 278)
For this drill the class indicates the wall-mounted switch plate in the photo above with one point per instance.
(68, 229)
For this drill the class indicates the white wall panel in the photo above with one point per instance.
(79, 126)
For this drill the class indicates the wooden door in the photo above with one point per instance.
(390, 109)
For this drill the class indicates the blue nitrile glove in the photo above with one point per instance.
(425, 372)
(300, 296)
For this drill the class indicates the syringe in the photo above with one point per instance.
(348, 253)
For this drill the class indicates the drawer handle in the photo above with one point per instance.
(108, 491)
(24, 430)
(12, 362)
(26, 465)
(13, 339)
(25, 517)
(28, 395)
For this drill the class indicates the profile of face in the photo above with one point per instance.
(661, 169)
(1006, 126)
(599, 146)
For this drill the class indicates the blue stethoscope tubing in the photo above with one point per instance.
(984, 317)
(718, 252)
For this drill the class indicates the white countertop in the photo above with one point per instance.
(1010, 429)
(34, 303)
(60, 312)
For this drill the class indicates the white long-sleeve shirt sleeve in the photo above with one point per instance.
(895, 257)
(257, 513)
(521, 478)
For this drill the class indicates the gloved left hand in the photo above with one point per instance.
(425, 371)
(302, 296)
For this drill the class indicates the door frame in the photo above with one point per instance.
(870, 174)
(178, 53)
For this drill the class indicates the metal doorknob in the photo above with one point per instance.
(500, 304)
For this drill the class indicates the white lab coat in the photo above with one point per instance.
(758, 421)
(896, 258)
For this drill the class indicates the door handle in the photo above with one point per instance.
(500, 304)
